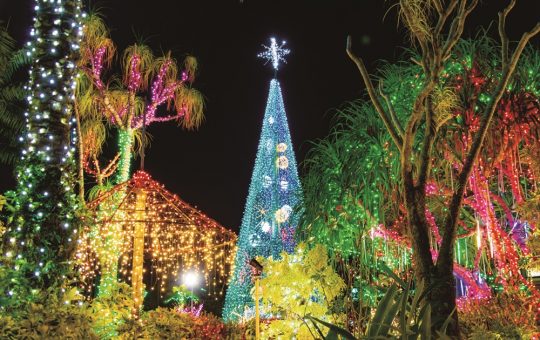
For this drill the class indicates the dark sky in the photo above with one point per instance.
(211, 168)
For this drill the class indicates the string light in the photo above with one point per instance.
(353, 211)
(152, 223)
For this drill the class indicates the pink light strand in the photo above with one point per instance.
(160, 93)
(135, 77)
(97, 67)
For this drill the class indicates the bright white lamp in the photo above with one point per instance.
(191, 279)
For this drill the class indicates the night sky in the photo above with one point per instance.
(211, 168)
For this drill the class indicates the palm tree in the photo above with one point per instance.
(11, 97)
(126, 102)
(43, 233)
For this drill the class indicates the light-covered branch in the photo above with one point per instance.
(447, 245)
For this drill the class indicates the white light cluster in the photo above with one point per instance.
(274, 53)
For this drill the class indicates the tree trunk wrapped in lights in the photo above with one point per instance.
(155, 225)
(270, 218)
(44, 231)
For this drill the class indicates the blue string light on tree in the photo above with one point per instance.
(270, 218)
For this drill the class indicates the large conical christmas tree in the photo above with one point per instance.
(270, 217)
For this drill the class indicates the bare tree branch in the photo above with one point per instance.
(373, 96)
(427, 145)
(109, 108)
(438, 6)
(391, 110)
(456, 29)
(443, 16)
(502, 33)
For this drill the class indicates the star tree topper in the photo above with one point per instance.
(274, 53)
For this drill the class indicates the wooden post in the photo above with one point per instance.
(138, 250)
(257, 317)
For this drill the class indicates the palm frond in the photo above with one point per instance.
(445, 101)
(9, 155)
(190, 67)
(11, 97)
(18, 60)
(191, 102)
(145, 64)
(12, 93)
(94, 135)
(416, 17)
(141, 142)
(171, 67)
(7, 43)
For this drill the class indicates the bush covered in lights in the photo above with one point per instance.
(297, 285)
(163, 323)
(509, 315)
(52, 315)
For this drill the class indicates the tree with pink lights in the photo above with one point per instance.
(149, 90)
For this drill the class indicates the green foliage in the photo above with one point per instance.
(358, 167)
(164, 323)
(181, 295)
(111, 311)
(400, 314)
(508, 315)
(11, 96)
(298, 285)
(53, 315)
(244, 330)
(334, 331)
(352, 184)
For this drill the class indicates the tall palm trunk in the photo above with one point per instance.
(111, 238)
(125, 146)
(45, 226)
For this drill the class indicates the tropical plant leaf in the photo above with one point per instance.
(335, 331)
(386, 310)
